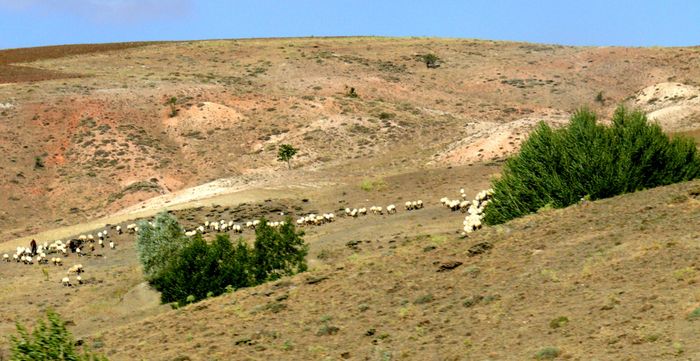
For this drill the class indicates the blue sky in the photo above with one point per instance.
(628, 23)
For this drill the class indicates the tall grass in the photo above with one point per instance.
(557, 167)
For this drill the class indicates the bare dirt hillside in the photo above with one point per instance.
(90, 129)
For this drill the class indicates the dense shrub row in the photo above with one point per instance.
(557, 167)
(189, 269)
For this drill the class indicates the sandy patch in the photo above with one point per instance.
(491, 141)
(202, 117)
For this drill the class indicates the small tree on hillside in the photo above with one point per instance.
(431, 60)
(157, 244)
(285, 153)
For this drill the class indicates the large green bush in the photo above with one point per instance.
(197, 269)
(280, 252)
(200, 269)
(156, 244)
(557, 167)
(49, 341)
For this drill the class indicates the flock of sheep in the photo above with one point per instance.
(81, 246)
(85, 244)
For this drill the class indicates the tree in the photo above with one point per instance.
(48, 342)
(280, 252)
(200, 270)
(156, 244)
(285, 153)
(557, 167)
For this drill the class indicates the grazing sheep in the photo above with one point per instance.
(79, 279)
(390, 209)
(101, 243)
(6, 257)
(413, 205)
(119, 229)
(77, 269)
(65, 281)
(190, 233)
(111, 244)
(376, 210)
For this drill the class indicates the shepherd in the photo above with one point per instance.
(32, 246)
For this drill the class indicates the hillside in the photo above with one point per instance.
(91, 129)
(103, 135)
(612, 280)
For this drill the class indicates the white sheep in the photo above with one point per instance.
(65, 281)
(79, 279)
(390, 209)
(119, 229)
(6, 257)
(111, 244)
(77, 269)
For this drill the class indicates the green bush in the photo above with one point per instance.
(157, 244)
(196, 269)
(49, 341)
(558, 167)
(200, 270)
(547, 353)
(278, 253)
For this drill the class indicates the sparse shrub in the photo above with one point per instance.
(600, 98)
(48, 341)
(560, 166)
(423, 299)
(352, 93)
(431, 60)
(327, 329)
(38, 162)
(695, 315)
(369, 185)
(385, 115)
(472, 301)
(558, 322)
(547, 353)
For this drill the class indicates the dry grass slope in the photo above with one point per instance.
(612, 280)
